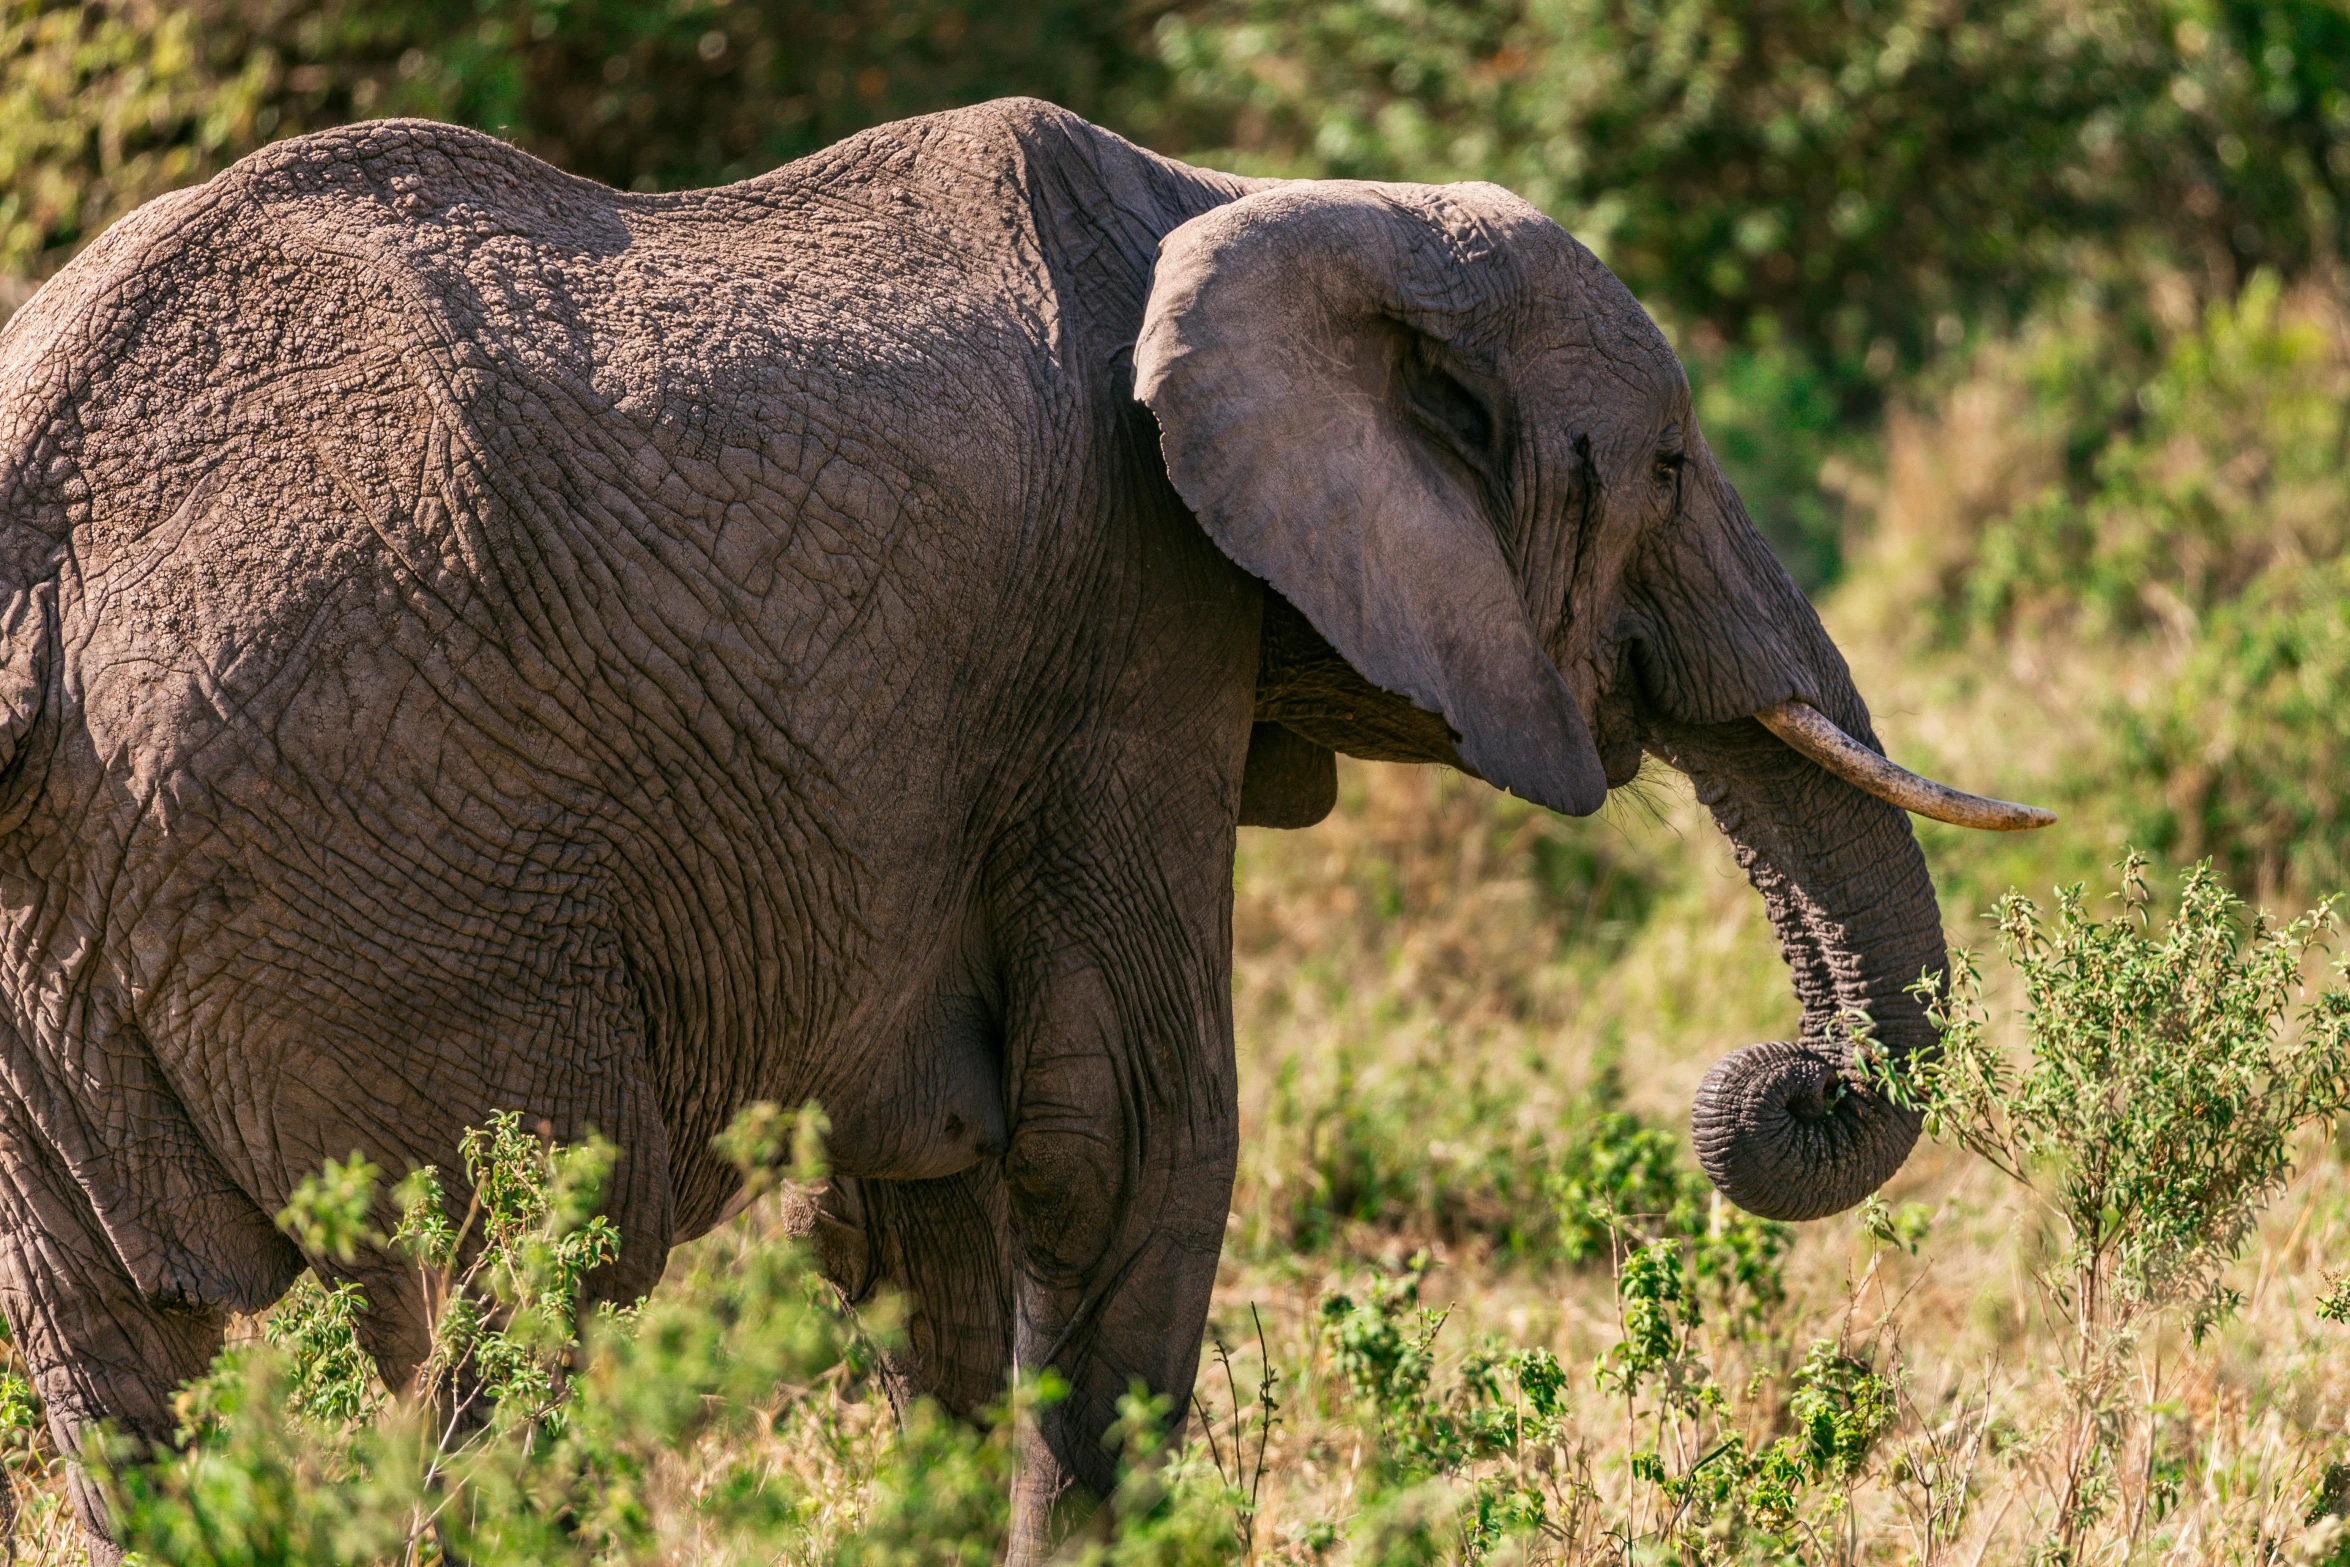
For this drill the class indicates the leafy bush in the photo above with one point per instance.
(1506, 1405)
(734, 1417)
(534, 1434)
(2240, 758)
(1493, 1455)
(2151, 1120)
(1619, 1178)
(1708, 1472)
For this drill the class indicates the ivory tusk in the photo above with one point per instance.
(1812, 733)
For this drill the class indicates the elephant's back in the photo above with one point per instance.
(882, 267)
(404, 373)
(413, 351)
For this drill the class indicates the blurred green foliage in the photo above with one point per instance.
(1417, 1151)
(2229, 466)
(1773, 419)
(1822, 197)
(1872, 178)
(2187, 551)
(2243, 755)
(104, 105)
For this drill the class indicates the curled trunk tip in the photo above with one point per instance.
(1783, 1132)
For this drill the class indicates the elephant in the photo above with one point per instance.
(472, 640)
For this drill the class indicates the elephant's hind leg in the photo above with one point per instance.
(941, 1248)
(101, 1352)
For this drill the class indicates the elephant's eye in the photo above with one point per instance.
(1668, 470)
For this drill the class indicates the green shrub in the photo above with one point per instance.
(1620, 1180)
(1488, 1455)
(539, 1434)
(1173, 1507)
(1419, 1153)
(1710, 1480)
(2150, 1120)
(1465, 1464)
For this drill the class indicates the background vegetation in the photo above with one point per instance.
(2023, 329)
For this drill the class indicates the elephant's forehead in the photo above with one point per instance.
(1577, 326)
(1631, 378)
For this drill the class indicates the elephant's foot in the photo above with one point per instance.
(1054, 1515)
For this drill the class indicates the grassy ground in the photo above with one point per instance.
(1419, 1059)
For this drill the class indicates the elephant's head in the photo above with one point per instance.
(1448, 437)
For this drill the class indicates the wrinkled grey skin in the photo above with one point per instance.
(474, 641)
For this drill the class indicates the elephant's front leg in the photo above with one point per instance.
(1124, 1138)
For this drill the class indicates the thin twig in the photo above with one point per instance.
(1207, 1428)
(1267, 1413)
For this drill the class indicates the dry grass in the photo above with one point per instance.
(2247, 1422)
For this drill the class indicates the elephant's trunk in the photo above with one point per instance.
(1751, 699)
(1794, 1130)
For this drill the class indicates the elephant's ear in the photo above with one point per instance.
(1300, 350)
